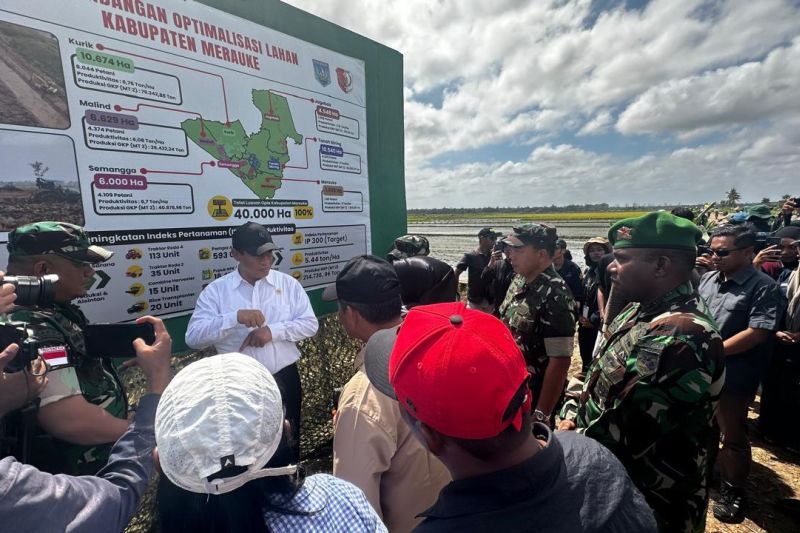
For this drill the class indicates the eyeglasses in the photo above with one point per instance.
(723, 252)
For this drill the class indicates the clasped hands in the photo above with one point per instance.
(253, 318)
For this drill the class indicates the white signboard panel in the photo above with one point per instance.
(162, 126)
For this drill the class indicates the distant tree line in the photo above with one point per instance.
(732, 199)
(572, 208)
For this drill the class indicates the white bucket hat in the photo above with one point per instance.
(218, 412)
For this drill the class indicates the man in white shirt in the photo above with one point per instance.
(259, 312)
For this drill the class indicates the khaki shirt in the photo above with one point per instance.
(374, 449)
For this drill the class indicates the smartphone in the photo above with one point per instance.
(773, 241)
(116, 340)
(498, 247)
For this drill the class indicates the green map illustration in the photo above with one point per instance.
(257, 159)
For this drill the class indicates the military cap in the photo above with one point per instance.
(658, 229)
(537, 235)
(488, 232)
(59, 238)
(759, 211)
(409, 246)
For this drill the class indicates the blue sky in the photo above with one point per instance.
(517, 103)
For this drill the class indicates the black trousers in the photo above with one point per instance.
(780, 397)
(288, 379)
(586, 341)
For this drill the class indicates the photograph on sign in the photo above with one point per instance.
(38, 175)
(32, 90)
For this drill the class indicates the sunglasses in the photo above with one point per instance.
(723, 252)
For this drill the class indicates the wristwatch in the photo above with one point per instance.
(539, 416)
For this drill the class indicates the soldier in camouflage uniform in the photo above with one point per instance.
(83, 408)
(407, 246)
(652, 389)
(540, 311)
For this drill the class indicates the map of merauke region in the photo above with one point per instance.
(257, 159)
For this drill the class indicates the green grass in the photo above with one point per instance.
(477, 215)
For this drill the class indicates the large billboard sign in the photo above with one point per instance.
(162, 126)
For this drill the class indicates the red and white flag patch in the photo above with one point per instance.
(54, 355)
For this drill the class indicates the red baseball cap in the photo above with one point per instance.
(459, 371)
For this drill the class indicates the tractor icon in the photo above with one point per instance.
(138, 307)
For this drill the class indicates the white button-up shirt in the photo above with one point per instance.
(280, 297)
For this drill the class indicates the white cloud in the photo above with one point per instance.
(599, 124)
(750, 92)
(757, 164)
(519, 72)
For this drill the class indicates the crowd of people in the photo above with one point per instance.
(458, 416)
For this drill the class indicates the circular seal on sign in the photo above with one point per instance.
(297, 238)
(220, 207)
(297, 275)
(297, 259)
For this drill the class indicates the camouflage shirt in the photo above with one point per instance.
(94, 378)
(650, 396)
(539, 313)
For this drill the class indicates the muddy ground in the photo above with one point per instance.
(19, 207)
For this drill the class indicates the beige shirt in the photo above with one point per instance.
(374, 449)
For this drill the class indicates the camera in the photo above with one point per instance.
(703, 249)
(34, 341)
(33, 291)
(498, 247)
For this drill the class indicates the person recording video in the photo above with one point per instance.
(83, 409)
(31, 500)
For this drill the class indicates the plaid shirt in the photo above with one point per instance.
(332, 505)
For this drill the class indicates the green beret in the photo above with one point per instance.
(658, 229)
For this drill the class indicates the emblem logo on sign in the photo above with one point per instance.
(322, 71)
(345, 79)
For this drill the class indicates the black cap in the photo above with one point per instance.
(376, 359)
(365, 279)
(561, 243)
(489, 232)
(253, 239)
